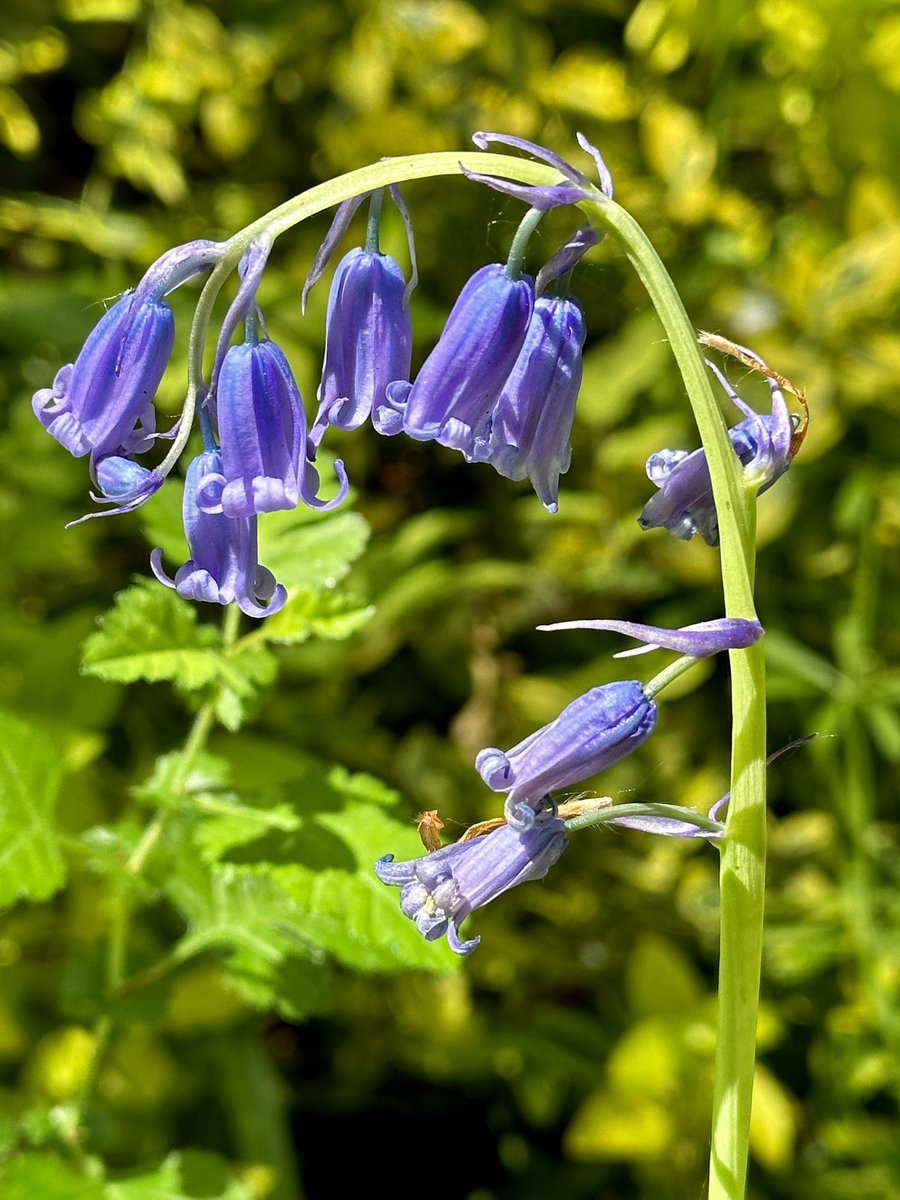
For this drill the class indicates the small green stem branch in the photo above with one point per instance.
(123, 900)
(742, 877)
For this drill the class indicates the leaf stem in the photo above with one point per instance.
(123, 900)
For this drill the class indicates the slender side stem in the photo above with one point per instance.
(744, 853)
(122, 900)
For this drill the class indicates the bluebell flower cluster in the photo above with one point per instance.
(500, 385)
(596, 730)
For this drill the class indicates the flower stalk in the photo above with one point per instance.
(742, 872)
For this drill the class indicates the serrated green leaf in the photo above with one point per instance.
(331, 615)
(31, 865)
(311, 556)
(252, 919)
(325, 866)
(245, 671)
(152, 634)
(208, 773)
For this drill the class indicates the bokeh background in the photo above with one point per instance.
(758, 142)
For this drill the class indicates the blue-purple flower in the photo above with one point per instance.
(574, 188)
(591, 733)
(698, 640)
(531, 422)
(684, 503)
(368, 340)
(102, 404)
(262, 430)
(440, 889)
(223, 566)
(455, 391)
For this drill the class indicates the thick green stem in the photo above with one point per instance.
(744, 852)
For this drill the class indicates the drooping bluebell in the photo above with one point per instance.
(223, 567)
(764, 444)
(455, 391)
(440, 889)
(262, 431)
(594, 731)
(102, 404)
(368, 340)
(531, 422)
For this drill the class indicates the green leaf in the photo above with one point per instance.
(332, 615)
(311, 556)
(31, 865)
(29, 1176)
(252, 919)
(325, 866)
(184, 1175)
(152, 634)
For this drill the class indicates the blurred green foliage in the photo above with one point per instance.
(280, 1003)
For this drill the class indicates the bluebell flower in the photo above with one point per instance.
(684, 503)
(368, 340)
(575, 188)
(531, 422)
(262, 430)
(223, 566)
(698, 640)
(102, 404)
(440, 889)
(124, 484)
(455, 391)
(591, 733)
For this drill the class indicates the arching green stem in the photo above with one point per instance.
(743, 860)
(742, 877)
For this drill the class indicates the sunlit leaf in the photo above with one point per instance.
(31, 865)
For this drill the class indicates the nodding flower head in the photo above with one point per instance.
(102, 404)
(460, 382)
(262, 429)
(530, 424)
(223, 566)
(591, 733)
(368, 340)
(440, 889)
(765, 446)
